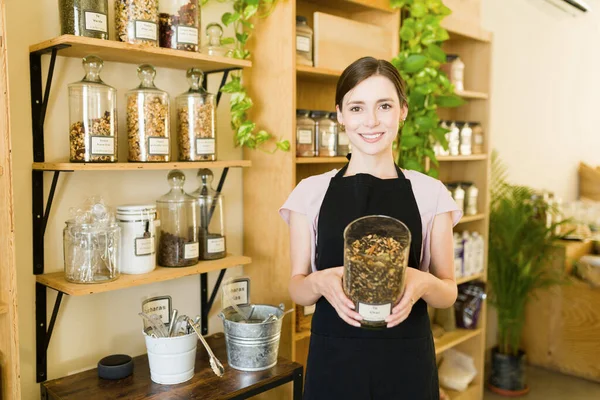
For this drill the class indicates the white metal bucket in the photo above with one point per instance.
(172, 360)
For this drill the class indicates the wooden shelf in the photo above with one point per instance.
(67, 166)
(321, 160)
(469, 94)
(3, 308)
(301, 335)
(357, 5)
(473, 392)
(460, 30)
(470, 278)
(454, 338)
(474, 157)
(471, 218)
(316, 73)
(112, 50)
(56, 280)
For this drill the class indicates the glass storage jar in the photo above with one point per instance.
(477, 138)
(343, 142)
(148, 119)
(196, 126)
(458, 194)
(305, 134)
(457, 72)
(178, 232)
(326, 134)
(214, 32)
(376, 252)
(304, 42)
(179, 24)
(454, 139)
(136, 21)
(211, 227)
(471, 194)
(466, 139)
(138, 233)
(92, 116)
(87, 18)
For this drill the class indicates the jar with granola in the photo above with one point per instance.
(92, 116)
(179, 24)
(196, 126)
(148, 119)
(136, 21)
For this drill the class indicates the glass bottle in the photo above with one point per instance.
(211, 227)
(179, 24)
(92, 116)
(454, 139)
(305, 134)
(457, 73)
(343, 142)
(178, 236)
(136, 21)
(148, 119)
(466, 137)
(196, 126)
(87, 18)
(304, 42)
(214, 32)
(326, 133)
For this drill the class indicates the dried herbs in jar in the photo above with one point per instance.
(179, 24)
(136, 21)
(87, 18)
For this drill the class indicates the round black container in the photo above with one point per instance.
(116, 366)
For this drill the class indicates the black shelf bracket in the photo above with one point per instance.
(42, 334)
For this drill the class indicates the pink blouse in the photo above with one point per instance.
(431, 195)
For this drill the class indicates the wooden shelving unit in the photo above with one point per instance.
(321, 160)
(473, 157)
(472, 218)
(454, 338)
(136, 166)
(470, 278)
(469, 94)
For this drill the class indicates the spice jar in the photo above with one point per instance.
(466, 137)
(137, 238)
(178, 236)
(305, 134)
(148, 119)
(136, 21)
(343, 142)
(211, 227)
(92, 116)
(454, 139)
(457, 71)
(477, 138)
(376, 252)
(471, 193)
(179, 24)
(326, 133)
(87, 18)
(304, 42)
(196, 126)
(214, 32)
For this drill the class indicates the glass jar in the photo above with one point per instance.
(136, 21)
(138, 233)
(178, 232)
(454, 139)
(305, 134)
(477, 138)
(148, 119)
(87, 18)
(458, 194)
(326, 133)
(214, 32)
(471, 194)
(376, 252)
(196, 126)
(466, 139)
(457, 72)
(92, 116)
(179, 24)
(304, 42)
(343, 142)
(211, 228)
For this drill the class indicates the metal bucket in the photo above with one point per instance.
(252, 346)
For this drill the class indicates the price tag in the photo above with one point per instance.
(160, 305)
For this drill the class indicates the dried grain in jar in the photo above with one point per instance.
(136, 21)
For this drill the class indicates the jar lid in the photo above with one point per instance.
(129, 209)
(300, 111)
(318, 114)
(333, 115)
(302, 19)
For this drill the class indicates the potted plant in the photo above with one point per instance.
(519, 253)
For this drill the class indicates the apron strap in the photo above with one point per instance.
(342, 171)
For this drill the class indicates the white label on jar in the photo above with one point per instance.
(215, 245)
(191, 250)
(374, 313)
(145, 30)
(343, 139)
(187, 35)
(95, 21)
(478, 139)
(158, 146)
(305, 136)
(205, 146)
(308, 310)
(238, 292)
(144, 246)
(103, 145)
(303, 43)
(160, 307)
(327, 139)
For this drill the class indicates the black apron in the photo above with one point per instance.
(345, 362)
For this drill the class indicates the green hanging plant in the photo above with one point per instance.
(428, 88)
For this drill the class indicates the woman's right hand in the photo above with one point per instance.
(329, 284)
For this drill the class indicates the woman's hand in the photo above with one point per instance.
(329, 284)
(417, 285)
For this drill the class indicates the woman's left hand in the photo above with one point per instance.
(417, 284)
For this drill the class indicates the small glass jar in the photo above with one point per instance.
(466, 139)
(304, 42)
(343, 142)
(87, 18)
(138, 233)
(214, 32)
(376, 252)
(478, 139)
(454, 139)
(92, 116)
(196, 126)
(136, 21)
(471, 194)
(211, 226)
(178, 236)
(326, 133)
(305, 134)
(457, 72)
(179, 24)
(148, 119)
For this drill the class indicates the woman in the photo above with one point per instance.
(346, 361)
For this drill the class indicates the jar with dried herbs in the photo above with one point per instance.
(92, 116)
(211, 226)
(179, 24)
(136, 21)
(87, 18)
(376, 252)
(148, 119)
(196, 126)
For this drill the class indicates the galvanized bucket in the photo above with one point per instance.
(252, 346)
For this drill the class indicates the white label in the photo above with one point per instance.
(327, 139)
(374, 313)
(191, 250)
(215, 245)
(104, 145)
(478, 139)
(159, 307)
(205, 146)
(303, 43)
(145, 30)
(144, 246)
(158, 146)
(187, 35)
(343, 139)
(238, 292)
(308, 310)
(305, 136)
(96, 22)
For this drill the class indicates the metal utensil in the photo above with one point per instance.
(155, 322)
(172, 323)
(215, 364)
(273, 317)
